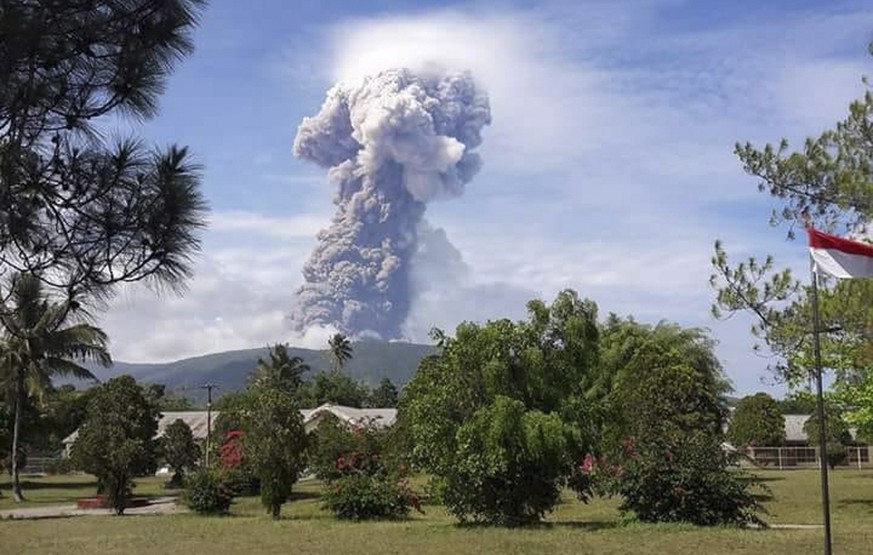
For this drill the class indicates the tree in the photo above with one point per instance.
(660, 445)
(180, 450)
(384, 396)
(282, 370)
(274, 444)
(799, 401)
(81, 214)
(756, 421)
(340, 351)
(117, 440)
(837, 435)
(332, 387)
(665, 381)
(40, 341)
(828, 183)
(500, 416)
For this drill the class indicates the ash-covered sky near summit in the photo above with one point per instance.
(607, 167)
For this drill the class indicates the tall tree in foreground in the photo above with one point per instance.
(41, 340)
(661, 445)
(828, 182)
(340, 351)
(79, 212)
(274, 443)
(500, 417)
(116, 443)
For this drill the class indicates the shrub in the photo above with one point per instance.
(362, 496)
(338, 448)
(206, 492)
(509, 466)
(359, 485)
(687, 482)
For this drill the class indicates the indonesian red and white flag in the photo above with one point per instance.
(839, 257)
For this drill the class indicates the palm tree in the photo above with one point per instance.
(37, 344)
(340, 350)
(282, 370)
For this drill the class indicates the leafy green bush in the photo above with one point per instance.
(688, 482)
(242, 481)
(206, 492)
(509, 466)
(361, 496)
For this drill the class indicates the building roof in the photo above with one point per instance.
(380, 418)
(196, 419)
(794, 427)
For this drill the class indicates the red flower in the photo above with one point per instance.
(230, 453)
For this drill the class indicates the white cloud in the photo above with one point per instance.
(288, 227)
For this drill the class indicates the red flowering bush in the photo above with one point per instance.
(689, 481)
(339, 449)
(206, 492)
(359, 484)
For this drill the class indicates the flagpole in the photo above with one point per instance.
(822, 439)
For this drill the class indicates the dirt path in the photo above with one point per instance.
(160, 505)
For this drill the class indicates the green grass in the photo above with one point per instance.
(573, 528)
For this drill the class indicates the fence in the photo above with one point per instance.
(783, 458)
(42, 465)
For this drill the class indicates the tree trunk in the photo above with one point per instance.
(119, 494)
(16, 438)
(276, 510)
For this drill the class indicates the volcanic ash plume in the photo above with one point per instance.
(391, 143)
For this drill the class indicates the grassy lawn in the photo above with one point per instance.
(573, 528)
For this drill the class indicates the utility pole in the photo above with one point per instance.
(208, 387)
(822, 440)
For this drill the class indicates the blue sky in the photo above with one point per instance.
(608, 167)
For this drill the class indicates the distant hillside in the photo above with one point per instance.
(372, 361)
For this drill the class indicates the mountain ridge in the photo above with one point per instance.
(371, 361)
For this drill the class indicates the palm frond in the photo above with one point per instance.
(68, 369)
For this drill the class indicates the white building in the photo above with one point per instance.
(197, 420)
